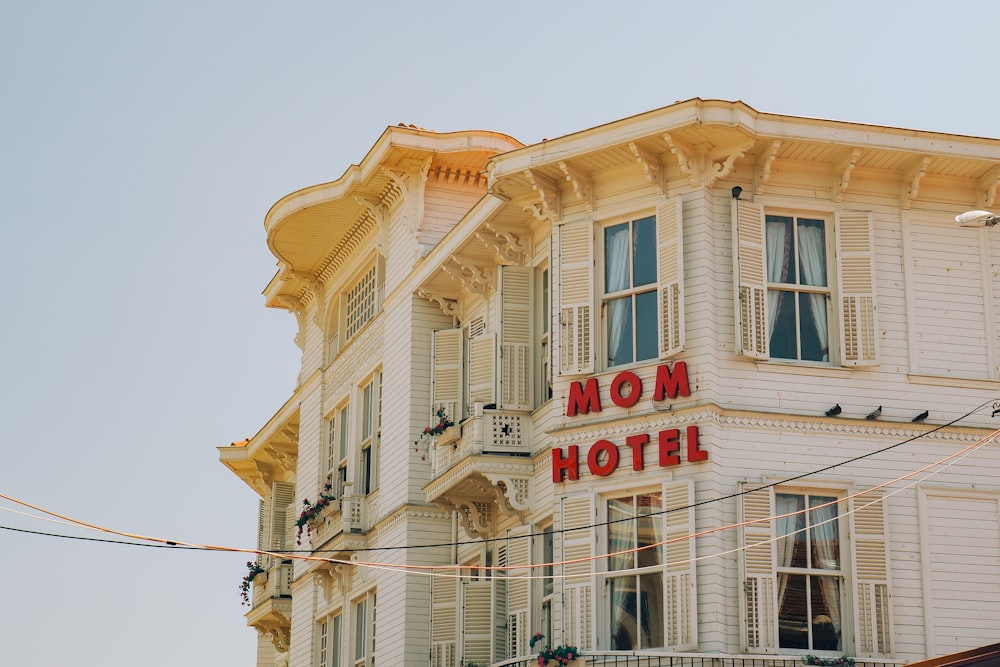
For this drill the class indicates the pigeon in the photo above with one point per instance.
(922, 416)
(834, 411)
(874, 414)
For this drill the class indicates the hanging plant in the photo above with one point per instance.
(560, 655)
(842, 661)
(310, 512)
(253, 570)
(443, 423)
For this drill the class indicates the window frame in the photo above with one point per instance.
(363, 637)
(328, 640)
(632, 292)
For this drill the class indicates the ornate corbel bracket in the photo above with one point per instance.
(377, 211)
(476, 517)
(297, 308)
(513, 494)
(470, 277)
(650, 165)
(329, 575)
(765, 163)
(447, 306)
(988, 187)
(284, 456)
(911, 181)
(583, 187)
(842, 173)
(508, 246)
(549, 206)
(703, 165)
(279, 632)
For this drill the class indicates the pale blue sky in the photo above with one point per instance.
(142, 145)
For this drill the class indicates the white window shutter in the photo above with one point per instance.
(282, 495)
(263, 538)
(856, 305)
(516, 326)
(750, 275)
(871, 577)
(477, 622)
(575, 281)
(482, 368)
(446, 373)
(519, 591)
(444, 622)
(501, 588)
(760, 591)
(670, 267)
(681, 600)
(577, 512)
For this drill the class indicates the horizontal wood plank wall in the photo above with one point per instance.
(444, 205)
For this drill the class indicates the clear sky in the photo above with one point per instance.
(142, 144)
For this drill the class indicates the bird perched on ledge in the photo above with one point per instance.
(922, 416)
(874, 414)
(834, 411)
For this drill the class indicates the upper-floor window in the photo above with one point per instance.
(350, 309)
(630, 283)
(362, 303)
(798, 290)
(328, 642)
(364, 630)
(335, 452)
(371, 399)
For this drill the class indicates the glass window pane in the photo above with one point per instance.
(793, 611)
(624, 614)
(646, 339)
(620, 537)
(824, 534)
(814, 327)
(360, 621)
(792, 550)
(825, 607)
(616, 258)
(812, 252)
(335, 645)
(548, 553)
(651, 610)
(784, 333)
(644, 251)
(619, 331)
(780, 249)
(650, 530)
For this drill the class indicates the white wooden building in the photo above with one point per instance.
(673, 347)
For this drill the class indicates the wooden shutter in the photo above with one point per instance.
(578, 588)
(263, 534)
(575, 282)
(477, 622)
(444, 621)
(482, 369)
(856, 305)
(670, 267)
(500, 592)
(681, 599)
(516, 326)
(750, 275)
(446, 373)
(871, 577)
(282, 495)
(518, 591)
(760, 591)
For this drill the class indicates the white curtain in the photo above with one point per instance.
(827, 556)
(812, 260)
(792, 527)
(778, 246)
(616, 253)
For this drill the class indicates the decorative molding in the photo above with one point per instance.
(513, 494)
(447, 306)
(651, 166)
(549, 205)
(582, 185)
(362, 356)
(703, 165)
(843, 170)
(765, 163)
(507, 245)
(471, 277)
(377, 210)
(988, 187)
(911, 181)
(295, 306)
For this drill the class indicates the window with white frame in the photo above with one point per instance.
(328, 640)
(364, 630)
(337, 452)
(634, 577)
(371, 399)
(547, 584)
(800, 594)
(630, 291)
(798, 289)
(362, 302)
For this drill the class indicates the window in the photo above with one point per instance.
(364, 631)
(337, 450)
(809, 572)
(363, 302)
(548, 582)
(544, 340)
(328, 642)
(371, 399)
(798, 292)
(635, 577)
(799, 594)
(349, 311)
(630, 289)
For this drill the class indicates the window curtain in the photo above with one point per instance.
(778, 250)
(616, 253)
(790, 531)
(812, 263)
(826, 540)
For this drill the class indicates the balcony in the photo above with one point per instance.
(661, 659)
(271, 613)
(482, 466)
(341, 527)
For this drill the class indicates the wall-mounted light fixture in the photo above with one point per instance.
(977, 219)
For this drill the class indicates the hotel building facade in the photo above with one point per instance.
(703, 383)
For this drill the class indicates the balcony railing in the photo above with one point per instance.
(277, 583)
(659, 659)
(488, 431)
(345, 515)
